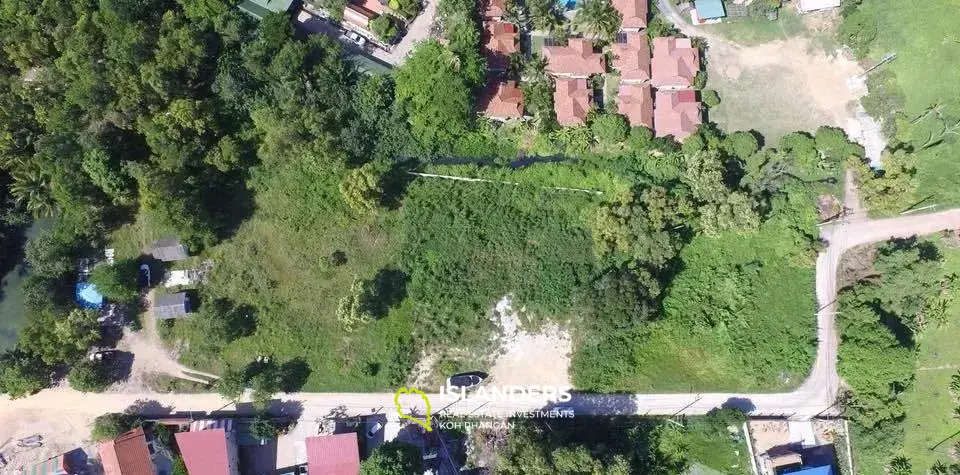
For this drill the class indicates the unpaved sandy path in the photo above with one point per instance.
(529, 358)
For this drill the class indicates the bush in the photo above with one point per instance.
(858, 31)
(89, 376)
(22, 374)
(710, 98)
(392, 458)
(262, 427)
(118, 281)
(111, 425)
(609, 129)
(384, 27)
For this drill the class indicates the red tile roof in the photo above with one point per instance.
(126, 455)
(633, 57)
(500, 40)
(205, 451)
(675, 62)
(676, 114)
(333, 454)
(636, 102)
(372, 5)
(571, 100)
(634, 13)
(494, 9)
(501, 100)
(358, 15)
(576, 59)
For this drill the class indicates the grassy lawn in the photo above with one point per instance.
(751, 31)
(926, 39)
(929, 404)
(721, 452)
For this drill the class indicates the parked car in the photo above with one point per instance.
(102, 355)
(374, 429)
(465, 380)
(357, 38)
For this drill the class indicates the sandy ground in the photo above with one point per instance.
(539, 357)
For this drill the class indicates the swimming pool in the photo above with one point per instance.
(567, 5)
(88, 297)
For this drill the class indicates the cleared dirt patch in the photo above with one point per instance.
(540, 357)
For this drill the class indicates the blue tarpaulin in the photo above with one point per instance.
(87, 296)
(825, 470)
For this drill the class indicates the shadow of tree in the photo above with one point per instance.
(148, 407)
(294, 374)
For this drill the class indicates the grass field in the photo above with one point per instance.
(929, 404)
(751, 31)
(926, 37)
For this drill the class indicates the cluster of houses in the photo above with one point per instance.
(656, 88)
(207, 447)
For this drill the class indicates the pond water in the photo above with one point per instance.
(12, 316)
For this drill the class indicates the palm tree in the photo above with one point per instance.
(544, 15)
(31, 189)
(598, 18)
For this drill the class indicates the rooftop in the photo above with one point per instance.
(634, 13)
(636, 102)
(811, 5)
(171, 305)
(571, 100)
(127, 455)
(576, 59)
(169, 249)
(261, 8)
(676, 114)
(500, 41)
(333, 454)
(494, 8)
(632, 56)
(501, 99)
(205, 451)
(675, 62)
(710, 9)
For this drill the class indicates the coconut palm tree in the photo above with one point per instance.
(598, 18)
(31, 189)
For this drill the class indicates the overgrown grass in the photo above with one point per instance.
(927, 43)
(751, 31)
(929, 404)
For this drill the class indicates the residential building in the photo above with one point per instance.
(709, 11)
(493, 9)
(501, 100)
(261, 8)
(358, 16)
(636, 102)
(209, 451)
(128, 454)
(73, 462)
(677, 114)
(170, 306)
(571, 101)
(812, 5)
(634, 13)
(631, 56)
(675, 63)
(379, 7)
(577, 59)
(500, 41)
(169, 249)
(333, 454)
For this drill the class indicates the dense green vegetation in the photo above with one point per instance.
(917, 95)
(888, 306)
(392, 458)
(624, 445)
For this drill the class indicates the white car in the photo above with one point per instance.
(356, 38)
(373, 430)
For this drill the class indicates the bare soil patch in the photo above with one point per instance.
(536, 357)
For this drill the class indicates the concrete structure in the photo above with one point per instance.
(631, 56)
(501, 100)
(577, 59)
(677, 114)
(571, 101)
(709, 9)
(812, 5)
(675, 63)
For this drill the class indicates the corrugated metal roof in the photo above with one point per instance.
(171, 305)
(825, 470)
(225, 424)
(127, 455)
(169, 249)
(333, 454)
(205, 451)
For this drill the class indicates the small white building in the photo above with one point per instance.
(806, 6)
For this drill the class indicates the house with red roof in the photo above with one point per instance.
(634, 13)
(358, 16)
(577, 59)
(333, 454)
(631, 56)
(636, 102)
(501, 100)
(677, 114)
(493, 9)
(675, 63)
(571, 101)
(128, 454)
(209, 451)
(500, 40)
